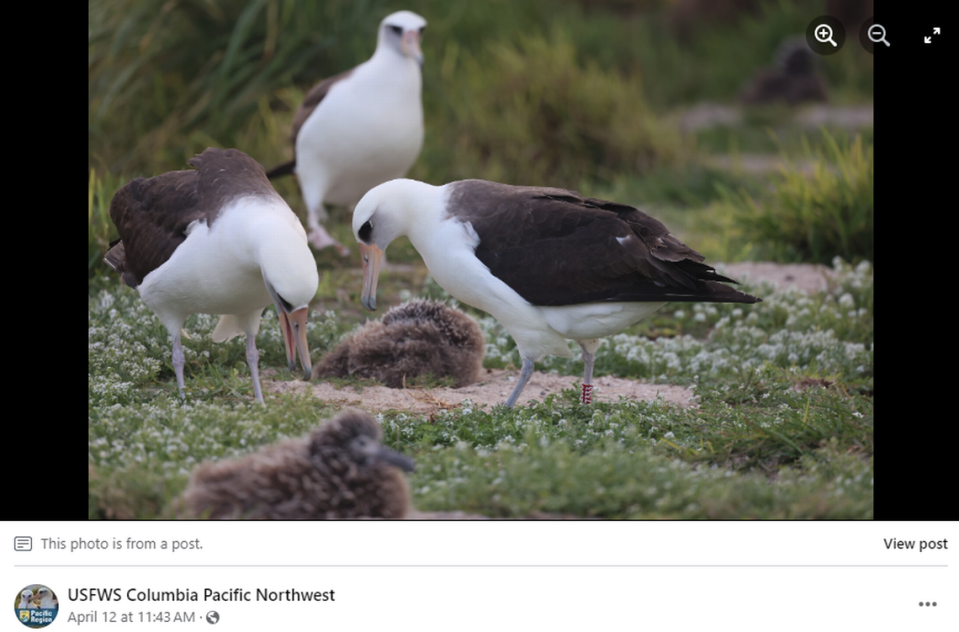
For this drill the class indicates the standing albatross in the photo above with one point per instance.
(360, 128)
(547, 263)
(217, 240)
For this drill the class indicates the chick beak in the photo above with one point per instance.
(372, 260)
(394, 458)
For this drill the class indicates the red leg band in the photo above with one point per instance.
(587, 396)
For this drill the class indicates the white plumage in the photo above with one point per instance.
(361, 127)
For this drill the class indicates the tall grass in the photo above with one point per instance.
(167, 78)
(163, 70)
(814, 217)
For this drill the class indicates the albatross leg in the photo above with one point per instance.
(253, 359)
(321, 239)
(525, 373)
(178, 362)
(589, 348)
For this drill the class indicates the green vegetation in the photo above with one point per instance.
(783, 428)
(815, 217)
(564, 93)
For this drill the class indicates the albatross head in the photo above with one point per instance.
(386, 212)
(402, 31)
(289, 272)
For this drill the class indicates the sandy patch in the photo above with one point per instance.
(492, 390)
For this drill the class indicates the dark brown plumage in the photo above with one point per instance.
(340, 470)
(152, 214)
(555, 247)
(414, 339)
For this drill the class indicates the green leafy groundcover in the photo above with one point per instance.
(784, 426)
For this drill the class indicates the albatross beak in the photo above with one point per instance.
(411, 46)
(299, 319)
(372, 260)
(294, 339)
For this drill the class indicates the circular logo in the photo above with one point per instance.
(825, 35)
(212, 617)
(36, 606)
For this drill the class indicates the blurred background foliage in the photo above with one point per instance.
(594, 95)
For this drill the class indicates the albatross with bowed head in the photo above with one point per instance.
(361, 127)
(547, 263)
(216, 240)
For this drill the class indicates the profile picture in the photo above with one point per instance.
(36, 606)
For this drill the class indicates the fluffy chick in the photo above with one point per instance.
(414, 339)
(340, 470)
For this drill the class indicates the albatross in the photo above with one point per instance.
(547, 263)
(216, 240)
(360, 128)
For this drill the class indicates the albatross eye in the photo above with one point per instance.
(365, 231)
(396, 29)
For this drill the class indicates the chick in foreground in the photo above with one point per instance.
(340, 470)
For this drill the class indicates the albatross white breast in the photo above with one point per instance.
(217, 240)
(547, 263)
(362, 127)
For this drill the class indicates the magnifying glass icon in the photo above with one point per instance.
(824, 34)
(877, 33)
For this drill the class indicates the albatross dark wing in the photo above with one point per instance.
(152, 214)
(555, 247)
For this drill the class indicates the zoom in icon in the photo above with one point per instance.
(825, 35)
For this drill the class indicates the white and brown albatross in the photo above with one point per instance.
(547, 263)
(217, 240)
(360, 128)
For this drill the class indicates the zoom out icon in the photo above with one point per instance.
(877, 34)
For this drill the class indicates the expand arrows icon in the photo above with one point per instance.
(928, 38)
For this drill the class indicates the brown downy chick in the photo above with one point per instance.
(340, 470)
(414, 339)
